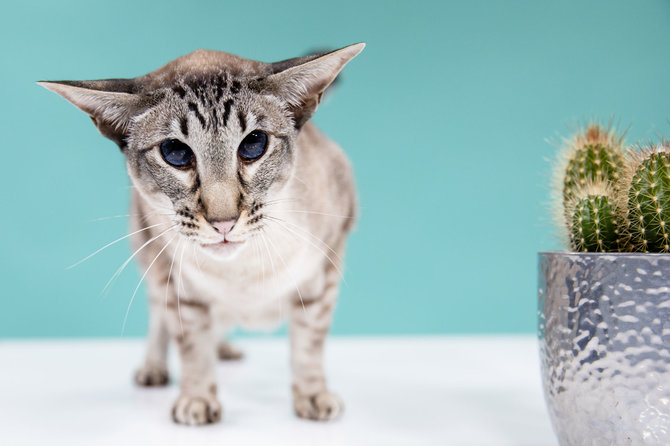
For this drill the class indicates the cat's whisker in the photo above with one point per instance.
(261, 255)
(314, 212)
(306, 231)
(180, 285)
(167, 284)
(257, 249)
(300, 180)
(123, 266)
(143, 219)
(254, 245)
(280, 200)
(112, 243)
(288, 271)
(295, 233)
(272, 265)
(197, 260)
(132, 298)
(112, 217)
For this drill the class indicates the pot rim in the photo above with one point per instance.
(603, 254)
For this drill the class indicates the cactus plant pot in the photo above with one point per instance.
(604, 335)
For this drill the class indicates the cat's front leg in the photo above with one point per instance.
(154, 371)
(190, 326)
(310, 322)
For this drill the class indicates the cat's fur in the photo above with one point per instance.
(293, 209)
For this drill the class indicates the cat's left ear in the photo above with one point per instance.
(111, 103)
(302, 81)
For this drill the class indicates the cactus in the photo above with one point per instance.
(594, 220)
(609, 202)
(590, 167)
(593, 155)
(645, 200)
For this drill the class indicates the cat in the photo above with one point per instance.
(240, 206)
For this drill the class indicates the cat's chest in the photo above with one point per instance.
(261, 279)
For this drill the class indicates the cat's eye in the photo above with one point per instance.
(253, 145)
(176, 153)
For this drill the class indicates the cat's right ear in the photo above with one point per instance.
(111, 103)
(302, 81)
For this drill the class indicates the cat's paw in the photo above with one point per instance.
(196, 410)
(322, 406)
(228, 352)
(152, 376)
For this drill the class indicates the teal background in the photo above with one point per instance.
(445, 116)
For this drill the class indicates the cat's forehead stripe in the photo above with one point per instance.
(194, 108)
(183, 125)
(226, 111)
(235, 87)
(243, 120)
(220, 86)
(179, 90)
(204, 93)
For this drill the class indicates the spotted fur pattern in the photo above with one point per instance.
(293, 209)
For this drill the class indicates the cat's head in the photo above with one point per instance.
(209, 137)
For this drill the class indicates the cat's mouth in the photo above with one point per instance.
(223, 248)
(224, 242)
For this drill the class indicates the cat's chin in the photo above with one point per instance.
(222, 251)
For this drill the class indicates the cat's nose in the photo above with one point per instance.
(223, 227)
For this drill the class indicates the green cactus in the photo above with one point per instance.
(647, 201)
(593, 155)
(591, 162)
(593, 223)
(609, 202)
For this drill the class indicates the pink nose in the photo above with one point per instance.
(223, 227)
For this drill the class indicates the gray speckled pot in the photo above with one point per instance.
(604, 331)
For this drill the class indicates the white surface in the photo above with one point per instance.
(475, 391)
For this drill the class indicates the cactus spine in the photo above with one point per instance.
(647, 200)
(610, 202)
(593, 162)
(594, 219)
(593, 155)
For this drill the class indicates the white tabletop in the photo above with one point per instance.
(475, 391)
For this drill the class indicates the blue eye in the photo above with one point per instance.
(253, 145)
(176, 153)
